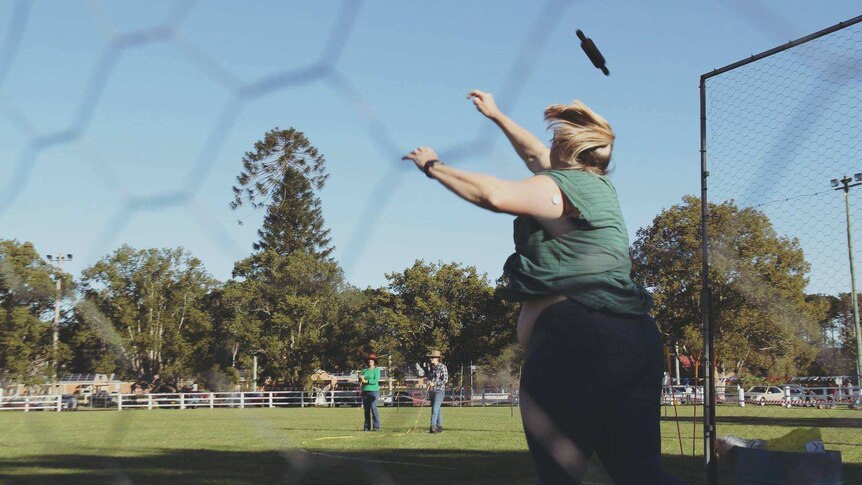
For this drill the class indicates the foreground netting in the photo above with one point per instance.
(781, 139)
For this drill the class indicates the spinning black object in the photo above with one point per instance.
(593, 53)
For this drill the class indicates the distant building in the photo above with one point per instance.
(86, 384)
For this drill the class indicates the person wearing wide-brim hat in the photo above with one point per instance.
(370, 378)
(438, 376)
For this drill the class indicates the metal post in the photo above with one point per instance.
(461, 388)
(846, 181)
(676, 357)
(57, 318)
(709, 437)
(254, 373)
(389, 373)
(471, 383)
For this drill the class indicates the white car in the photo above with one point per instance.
(764, 394)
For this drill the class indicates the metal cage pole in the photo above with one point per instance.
(709, 438)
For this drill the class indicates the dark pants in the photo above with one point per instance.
(369, 405)
(591, 382)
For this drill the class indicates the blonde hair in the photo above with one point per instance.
(583, 139)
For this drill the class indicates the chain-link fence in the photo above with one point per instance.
(782, 143)
(755, 159)
(247, 447)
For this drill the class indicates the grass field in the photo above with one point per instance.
(480, 445)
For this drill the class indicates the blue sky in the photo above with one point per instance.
(125, 122)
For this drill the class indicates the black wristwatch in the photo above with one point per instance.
(427, 167)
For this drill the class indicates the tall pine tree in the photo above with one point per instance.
(281, 174)
(285, 293)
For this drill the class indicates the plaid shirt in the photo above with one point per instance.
(439, 377)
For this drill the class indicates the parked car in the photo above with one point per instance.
(69, 402)
(13, 402)
(101, 399)
(455, 397)
(764, 394)
(412, 397)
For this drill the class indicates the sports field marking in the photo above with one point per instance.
(334, 438)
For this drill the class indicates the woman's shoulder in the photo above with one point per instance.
(575, 175)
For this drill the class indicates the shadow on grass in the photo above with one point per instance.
(290, 467)
(380, 467)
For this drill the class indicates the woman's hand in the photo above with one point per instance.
(485, 103)
(421, 156)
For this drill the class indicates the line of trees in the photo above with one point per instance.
(157, 316)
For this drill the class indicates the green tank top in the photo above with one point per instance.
(586, 259)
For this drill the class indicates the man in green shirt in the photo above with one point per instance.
(370, 378)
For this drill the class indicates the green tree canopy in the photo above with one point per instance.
(282, 174)
(150, 302)
(447, 307)
(763, 323)
(286, 293)
(27, 296)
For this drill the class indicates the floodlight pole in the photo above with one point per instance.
(845, 186)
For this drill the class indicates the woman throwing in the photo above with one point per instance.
(581, 314)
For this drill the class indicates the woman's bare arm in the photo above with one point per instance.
(534, 153)
(538, 196)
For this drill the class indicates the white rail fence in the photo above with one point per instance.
(241, 400)
(781, 395)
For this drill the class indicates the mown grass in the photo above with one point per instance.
(480, 445)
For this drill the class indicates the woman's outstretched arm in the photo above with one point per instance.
(534, 153)
(538, 196)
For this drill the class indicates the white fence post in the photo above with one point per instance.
(332, 399)
(741, 392)
(242, 400)
(212, 399)
(149, 401)
(27, 404)
(302, 399)
(270, 399)
(182, 401)
(59, 402)
(119, 401)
